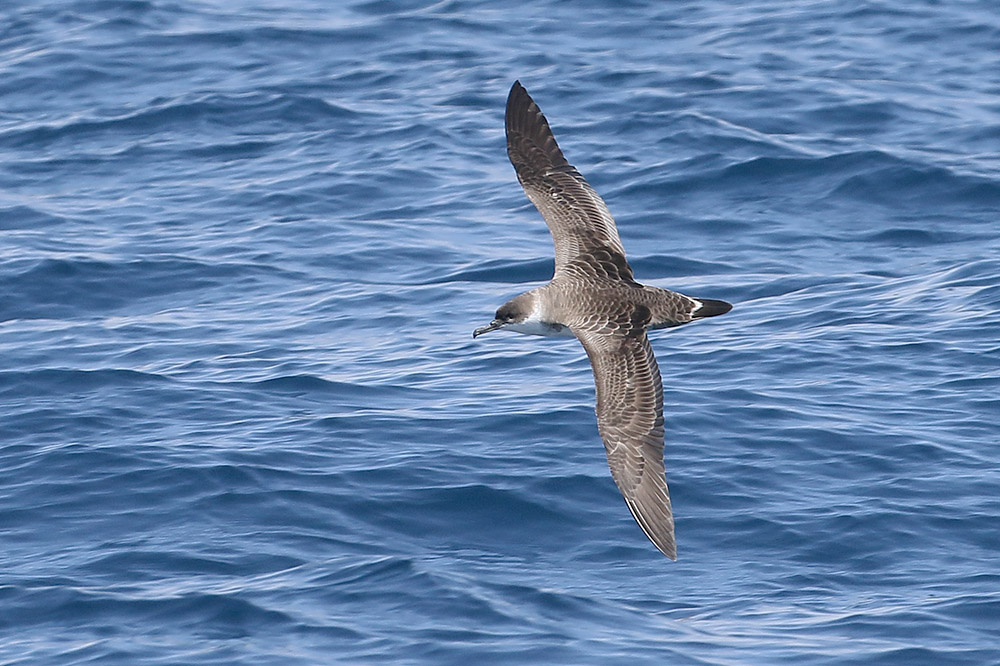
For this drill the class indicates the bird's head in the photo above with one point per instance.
(514, 311)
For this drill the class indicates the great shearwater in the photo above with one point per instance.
(593, 297)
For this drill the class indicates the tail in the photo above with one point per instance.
(710, 308)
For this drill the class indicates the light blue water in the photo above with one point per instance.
(243, 247)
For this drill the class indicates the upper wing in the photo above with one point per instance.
(581, 225)
(630, 419)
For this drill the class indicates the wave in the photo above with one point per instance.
(85, 287)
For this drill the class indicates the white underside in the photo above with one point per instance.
(533, 325)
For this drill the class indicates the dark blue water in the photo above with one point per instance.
(243, 246)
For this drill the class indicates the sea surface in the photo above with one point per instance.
(243, 247)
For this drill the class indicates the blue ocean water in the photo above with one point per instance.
(243, 246)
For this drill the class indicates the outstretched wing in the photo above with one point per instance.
(630, 419)
(581, 225)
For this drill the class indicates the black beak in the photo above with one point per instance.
(492, 326)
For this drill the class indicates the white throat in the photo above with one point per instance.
(536, 324)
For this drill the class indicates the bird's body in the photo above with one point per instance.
(593, 297)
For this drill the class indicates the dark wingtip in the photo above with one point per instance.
(530, 144)
(710, 308)
(666, 544)
(518, 102)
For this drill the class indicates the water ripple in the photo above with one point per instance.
(244, 248)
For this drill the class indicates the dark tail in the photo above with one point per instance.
(710, 308)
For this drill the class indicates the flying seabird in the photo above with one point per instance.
(593, 297)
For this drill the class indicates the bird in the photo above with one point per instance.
(594, 297)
